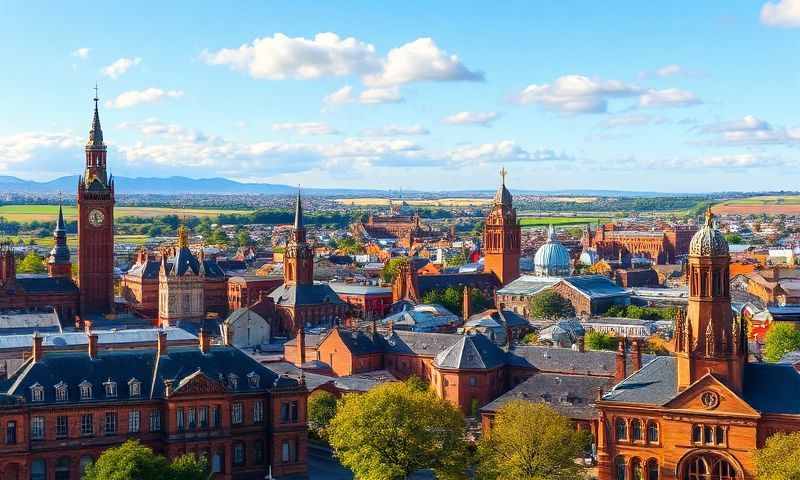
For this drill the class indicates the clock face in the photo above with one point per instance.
(96, 218)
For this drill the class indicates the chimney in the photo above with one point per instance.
(620, 374)
(301, 347)
(162, 343)
(581, 344)
(37, 347)
(168, 387)
(92, 345)
(467, 305)
(636, 352)
(205, 341)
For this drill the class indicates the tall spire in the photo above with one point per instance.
(298, 212)
(60, 221)
(96, 132)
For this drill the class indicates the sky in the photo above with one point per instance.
(679, 96)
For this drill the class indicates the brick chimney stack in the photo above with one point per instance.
(162, 343)
(636, 353)
(467, 305)
(92, 345)
(37, 347)
(621, 371)
(301, 347)
(205, 341)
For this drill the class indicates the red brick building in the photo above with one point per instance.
(612, 242)
(63, 408)
(366, 301)
(243, 290)
(501, 237)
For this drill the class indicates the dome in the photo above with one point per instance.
(552, 259)
(708, 241)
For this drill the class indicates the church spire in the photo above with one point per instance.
(298, 212)
(96, 132)
(59, 264)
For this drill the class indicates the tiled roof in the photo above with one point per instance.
(315, 294)
(150, 269)
(417, 343)
(528, 285)
(654, 384)
(361, 343)
(566, 360)
(471, 352)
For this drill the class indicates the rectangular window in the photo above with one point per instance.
(238, 453)
(11, 433)
(216, 418)
(202, 417)
(289, 451)
(179, 419)
(87, 424)
(191, 419)
(258, 452)
(62, 426)
(236, 413)
(258, 411)
(289, 411)
(155, 420)
(133, 421)
(111, 423)
(37, 428)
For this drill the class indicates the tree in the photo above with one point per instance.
(781, 339)
(733, 238)
(243, 238)
(530, 441)
(321, 410)
(595, 340)
(550, 305)
(780, 458)
(452, 298)
(392, 267)
(32, 263)
(394, 430)
(416, 383)
(134, 461)
(456, 260)
(530, 339)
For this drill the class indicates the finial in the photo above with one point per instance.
(709, 217)
(503, 173)
(96, 94)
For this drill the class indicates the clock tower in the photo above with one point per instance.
(96, 227)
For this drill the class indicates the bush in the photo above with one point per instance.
(781, 339)
(595, 340)
(550, 305)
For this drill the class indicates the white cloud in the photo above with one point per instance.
(784, 13)
(576, 94)
(670, 70)
(305, 128)
(40, 155)
(742, 160)
(120, 67)
(153, 127)
(750, 130)
(670, 97)
(471, 118)
(82, 53)
(395, 131)
(339, 97)
(632, 120)
(421, 60)
(505, 151)
(370, 96)
(133, 98)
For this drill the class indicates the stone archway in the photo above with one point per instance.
(708, 465)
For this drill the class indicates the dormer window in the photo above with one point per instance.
(134, 387)
(111, 388)
(61, 392)
(37, 393)
(86, 390)
(253, 379)
(233, 381)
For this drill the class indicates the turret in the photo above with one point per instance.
(59, 264)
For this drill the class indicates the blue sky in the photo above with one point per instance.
(668, 96)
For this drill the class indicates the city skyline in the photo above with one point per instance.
(352, 96)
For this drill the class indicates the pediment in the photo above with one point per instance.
(198, 383)
(709, 395)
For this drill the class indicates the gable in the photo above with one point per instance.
(198, 383)
(709, 395)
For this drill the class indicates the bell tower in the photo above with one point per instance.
(96, 226)
(708, 338)
(501, 236)
(298, 264)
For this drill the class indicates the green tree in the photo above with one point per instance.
(349, 246)
(452, 298)
(416, 383)
(31, 263)
(394, 430)
(595, 340)
(550, 305)
(530, 441)
(134, 461)
(781, 339)
(780, 458)
(530, 339)
(243, 238)
(733, 238)
(392, 267)
(456, 260)
(321, 410)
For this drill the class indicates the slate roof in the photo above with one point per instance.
(45, 284)
(655, 384)
(422, 318)
(570, 395)
(361, 343)
(471, 352)
(596, 286)
(12, 322)
(772, 387)
(150, 269)
(494, 317)
(185, 262)
(356, 289)
(418, 343)
(315, 294)
(566, 360)
(528, 285)
(481, 281)
(144, 365)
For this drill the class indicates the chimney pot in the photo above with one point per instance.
(621, 362)
(636, 351)
(92, 345)
(162, 342)
(301, 347)
(37, 347)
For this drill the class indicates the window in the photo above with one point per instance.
(37, 393)
(636, 469)
(636, 430)
(289, 411)
(86, 390)
(233, 381)
(652, 469)
(697, 434)
(87, 424)
(473, 381)
(258, 411)
(652, 432)
(62, 468)
(134, 387)
(179, 419)
(236, 413)
(619, 468)
(719, 434)
(216, 418)
(238, 453)
(258, 452)
(38, 470)
(708, 466)
(253, 379)
(111, 423)
(202, 417)
(111, 388)
(61, 392)
(155, 420)
(11, 433)
(191, 418)
(709, 435)
(621, 429)
(37, 428)
(62, 426)
(289, 451)
(134, 419)
(216, 462)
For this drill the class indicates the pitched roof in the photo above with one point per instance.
(655, 384)
(471, 352)
(361, 343)
(528, 285)
(45, 284)
(315, 294)
(566, 360)
(418, 343)
(772, 388)
(595, 286)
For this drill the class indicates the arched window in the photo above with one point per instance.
(652, 432)
(619, 468)
(62, 468)
(621, 429)
(38, 470)
(636, 469)
(709, 467)
(652, 469)
(636, 430)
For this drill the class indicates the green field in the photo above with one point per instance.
(543, 221)
(47, 213)
(765, 200)
(72, 240)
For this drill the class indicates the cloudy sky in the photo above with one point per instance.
(669, 96)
